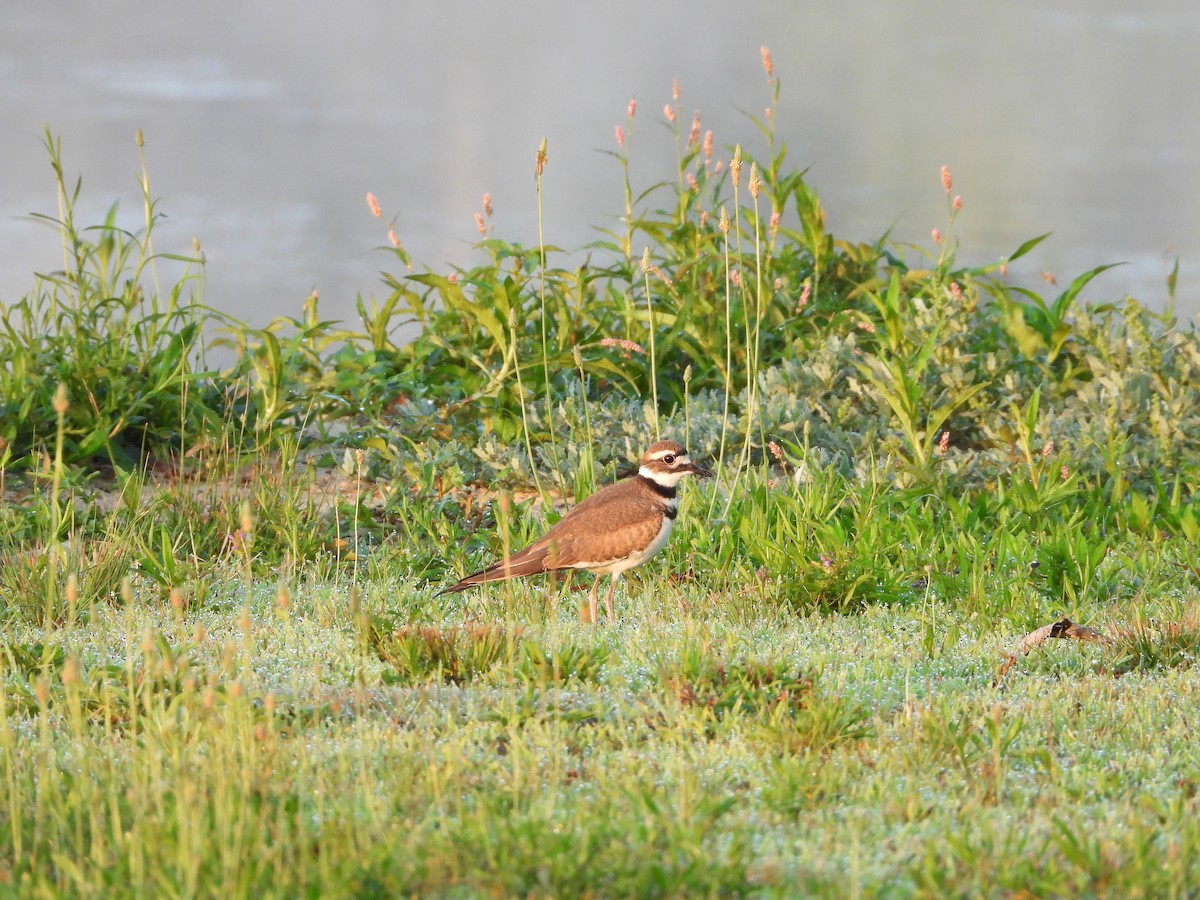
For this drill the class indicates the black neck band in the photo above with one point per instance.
(663, 490)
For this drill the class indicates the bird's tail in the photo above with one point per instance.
(504, 569)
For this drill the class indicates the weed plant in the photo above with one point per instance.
(224, 669)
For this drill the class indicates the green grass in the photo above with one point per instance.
(225, 670)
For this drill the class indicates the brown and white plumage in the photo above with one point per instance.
(615, 529)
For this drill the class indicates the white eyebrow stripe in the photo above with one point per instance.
(680, 457)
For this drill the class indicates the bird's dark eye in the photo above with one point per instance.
(669, 459)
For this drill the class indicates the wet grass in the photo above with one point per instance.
(708, 749)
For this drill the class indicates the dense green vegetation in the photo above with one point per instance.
(224, 670)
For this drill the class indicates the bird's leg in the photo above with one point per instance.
(608, 604)
(592, 600)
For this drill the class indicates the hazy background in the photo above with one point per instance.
(266, 123)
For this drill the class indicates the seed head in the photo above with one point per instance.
(646, 265)
(540, 160)
(724, 221)
(675, 89)
(61, 401)
(694, 134)
(768, 66)
(247, 518)
(735, 167)
(71, 670)
(139, 139)
(755, 180)
(487, 205)
(373, 205)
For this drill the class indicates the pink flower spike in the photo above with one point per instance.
(620, 138)
(708, 144)
(373, 205)
(776, 451)
(626, 345)
(487, 205)
(936, 234)
(957, 202)
(694, 134)
(768, 66)
(947, 183)
(805, 293)
(392, 237)
(632, 106)
(669, 112)
(479, 223)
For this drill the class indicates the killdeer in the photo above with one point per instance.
(616, 528)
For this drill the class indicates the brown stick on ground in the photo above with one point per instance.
(1064, 629)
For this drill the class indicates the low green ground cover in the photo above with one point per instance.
(224, 669)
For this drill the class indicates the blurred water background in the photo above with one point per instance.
(267, 123)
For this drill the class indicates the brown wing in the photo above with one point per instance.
(603, 526)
